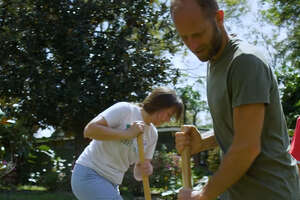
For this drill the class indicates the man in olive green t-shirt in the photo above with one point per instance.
(244, 102)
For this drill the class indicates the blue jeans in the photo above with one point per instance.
(88, 185)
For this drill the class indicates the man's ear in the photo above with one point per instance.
(220, 17)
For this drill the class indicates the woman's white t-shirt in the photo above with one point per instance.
(111, 159)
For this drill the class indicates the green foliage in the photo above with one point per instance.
(166, 178)
(48, 170)
(192, 103)
(291, 132)
(283, 11)
(286, 14)
(65, 61)
(166, 174)
(291, 99)
(234, 8)
(26, 163)
(16, 143)
(213, 159)
(6, 167)
(167, 170)
(25, 195)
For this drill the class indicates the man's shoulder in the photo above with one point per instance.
(248, 52)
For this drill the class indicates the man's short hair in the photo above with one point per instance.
(210, 7)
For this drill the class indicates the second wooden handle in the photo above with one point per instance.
(146, 184)
(186, 165)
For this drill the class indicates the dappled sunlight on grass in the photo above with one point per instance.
(31, 188)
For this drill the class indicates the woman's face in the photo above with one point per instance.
(162, 116)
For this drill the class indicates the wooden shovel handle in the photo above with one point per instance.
(186, 164)
(146, 185)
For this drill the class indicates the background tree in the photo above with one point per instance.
(65, 61)
(193, 103)
(286, 15)
(16, 142)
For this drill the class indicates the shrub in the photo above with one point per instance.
(167, 170)
(166, 174)
(213, 159)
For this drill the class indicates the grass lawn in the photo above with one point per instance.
(27, 192)
(30, 195)
(44, 195)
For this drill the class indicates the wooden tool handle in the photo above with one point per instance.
(146, 185)
(186, 165)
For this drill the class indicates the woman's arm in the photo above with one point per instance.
(99, 130)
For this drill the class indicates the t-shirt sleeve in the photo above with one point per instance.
(149, 150)
(249, 81)
(295, 145)
(114, 114)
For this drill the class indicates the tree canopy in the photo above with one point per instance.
(285, 14)
(65, 61)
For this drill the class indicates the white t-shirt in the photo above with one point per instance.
(111, 159)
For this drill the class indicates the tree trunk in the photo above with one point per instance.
(184, 113)
(195, 118)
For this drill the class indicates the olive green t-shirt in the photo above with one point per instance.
(241, 76)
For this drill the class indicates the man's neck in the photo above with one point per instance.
(225, 40)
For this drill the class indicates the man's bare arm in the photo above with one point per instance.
(248, 123)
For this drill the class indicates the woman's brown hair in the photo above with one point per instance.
(162, 98)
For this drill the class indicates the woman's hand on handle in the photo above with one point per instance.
(142, 168)
(135, 129)
(146, 167)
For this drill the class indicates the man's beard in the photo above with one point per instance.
(214, 44)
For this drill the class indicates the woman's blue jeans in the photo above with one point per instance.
(88, 185)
